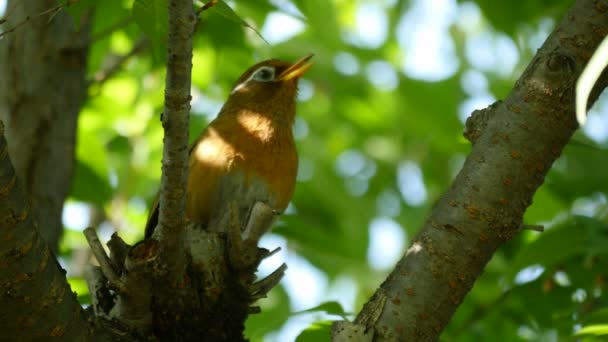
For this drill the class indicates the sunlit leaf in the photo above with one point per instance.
(220, 7)
(331, 308)
(275, 311)
(318, 331)
(79, 285)
(595, 330)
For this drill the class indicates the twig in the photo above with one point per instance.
(105, 73)
(9, 12)
(12, 29)
(206, 7)
(262, 287)
(534, 227)
(53, 11)
(103, 259)
(271, 253)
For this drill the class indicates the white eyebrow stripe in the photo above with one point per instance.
(242, 84)
(239, 86)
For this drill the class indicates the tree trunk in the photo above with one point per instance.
(42, 88)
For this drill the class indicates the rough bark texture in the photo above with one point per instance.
(42, 88)
(36, 300)
(514, 144)
(175, 119)
(129, 290)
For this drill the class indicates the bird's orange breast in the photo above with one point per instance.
(241, 158)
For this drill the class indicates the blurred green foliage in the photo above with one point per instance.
(383, 124)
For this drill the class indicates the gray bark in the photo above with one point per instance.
(42, 88)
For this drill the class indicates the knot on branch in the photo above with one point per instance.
(477, 122)
(362, 329)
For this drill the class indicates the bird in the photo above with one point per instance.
(247, 153)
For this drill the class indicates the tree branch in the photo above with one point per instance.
(104, 261)
(50, 11)
(512, 153)
(175, 122)
(34, 288)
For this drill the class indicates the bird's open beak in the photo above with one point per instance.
(297, 69)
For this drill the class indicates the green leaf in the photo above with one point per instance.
(595, 330)
(79, 285)
(579, 172)
(578, 235)
(554, 245)
(599, 316)
(76, 9)
(545, 206)
(545, 307)
(331, 308)
(220, 7)
(152, 16)
(507, 18)
(322, 18)
(318, 331)
(275, 311)
(89, 186)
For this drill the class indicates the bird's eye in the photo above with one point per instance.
(264, 74)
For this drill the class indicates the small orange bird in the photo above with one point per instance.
(247, 154)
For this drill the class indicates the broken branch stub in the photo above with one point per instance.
(219, 286)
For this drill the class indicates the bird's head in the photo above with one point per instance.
(269, 88)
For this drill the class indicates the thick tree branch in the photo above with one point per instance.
(513, 151)
(37, 302)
